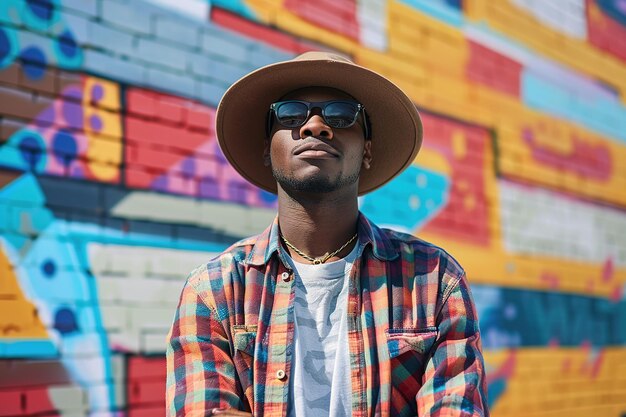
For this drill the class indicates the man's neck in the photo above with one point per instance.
(318, 225)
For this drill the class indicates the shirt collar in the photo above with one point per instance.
(267, 243)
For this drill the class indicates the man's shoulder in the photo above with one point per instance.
(224, 262)
(424, 253)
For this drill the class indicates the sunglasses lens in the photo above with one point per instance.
(292, 114)
(340, 114)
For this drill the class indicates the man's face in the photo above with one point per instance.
(316, 157)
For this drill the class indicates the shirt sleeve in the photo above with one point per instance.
(454, 379)
(200, 370)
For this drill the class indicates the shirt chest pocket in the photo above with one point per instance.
(409, 351)
(244, 341)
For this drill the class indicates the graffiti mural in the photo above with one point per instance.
(113, 187)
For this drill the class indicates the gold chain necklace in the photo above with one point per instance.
(321, 259)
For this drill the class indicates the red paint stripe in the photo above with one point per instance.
(605, 33)
(494, 70)
(339, 17)
(260, 33)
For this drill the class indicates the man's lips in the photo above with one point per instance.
(315, 149)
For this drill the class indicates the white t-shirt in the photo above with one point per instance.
(320, 378)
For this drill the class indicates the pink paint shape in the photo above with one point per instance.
(553, 280)
(554, 342)
(608, 270)
(588, 161)
(596, 365)
(617, 294)
(506, 369)
(205, 173)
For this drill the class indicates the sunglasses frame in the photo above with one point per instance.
(322, 106)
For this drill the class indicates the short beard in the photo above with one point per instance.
(319, 184)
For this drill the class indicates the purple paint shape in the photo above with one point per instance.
(45, 118)
(97, 93)
(219, 156)
(209, 188)
(236, 192)
(73, 93)
(160, 184)
(188, 167)
(73, 114)
(76, 171)
(95, 122)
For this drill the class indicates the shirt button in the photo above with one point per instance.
(286, 276)
(280, 374)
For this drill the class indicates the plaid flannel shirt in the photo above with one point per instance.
(412, 328)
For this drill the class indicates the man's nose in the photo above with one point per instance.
(316, 127)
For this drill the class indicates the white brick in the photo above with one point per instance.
(544, 223)
(114, 317)
(129, 16)
(196, 9)
(171, 208)
(152, 318)
(128, 341)
(111, 39)
(67, 398)
(566, 16)
(153, 342)
(153, 51)
(178, 30)
(86, 7)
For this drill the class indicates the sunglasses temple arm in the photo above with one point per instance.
(366, 123)
(269, 119)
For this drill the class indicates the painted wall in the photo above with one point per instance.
(112, 186)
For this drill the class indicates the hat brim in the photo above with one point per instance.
(241, 117)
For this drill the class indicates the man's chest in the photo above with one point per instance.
(390, 327)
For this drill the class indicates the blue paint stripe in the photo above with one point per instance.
(236, 6)
(439, 10)
(516, 317)
(604, 116)
(28, 348)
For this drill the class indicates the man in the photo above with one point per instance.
(324, 313)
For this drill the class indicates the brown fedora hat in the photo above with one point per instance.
(241, 115)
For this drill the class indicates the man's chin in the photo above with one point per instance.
(314, 185)
(317, 183)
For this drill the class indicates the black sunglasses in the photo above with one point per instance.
(338, 114)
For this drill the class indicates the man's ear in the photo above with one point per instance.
(367, 154)
(266, 153)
